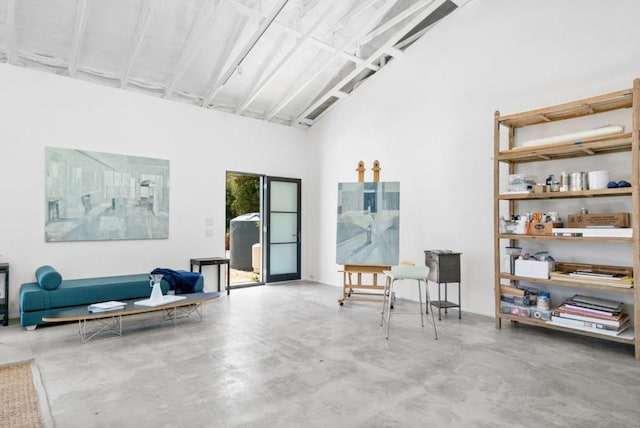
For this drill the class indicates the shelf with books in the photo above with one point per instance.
(626, 336)
(568, 152)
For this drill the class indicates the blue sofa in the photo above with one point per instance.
(51, 294)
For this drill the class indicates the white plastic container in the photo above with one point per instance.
(533, 268)
(598, 179)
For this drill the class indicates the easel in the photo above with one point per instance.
(370, 291)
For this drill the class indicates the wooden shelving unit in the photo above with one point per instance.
(513, 156)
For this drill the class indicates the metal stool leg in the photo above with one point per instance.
(384, 300)
(433, 318)
(420, 299)
(389, 309)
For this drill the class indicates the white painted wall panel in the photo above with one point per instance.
(39, 109)
(428, 118)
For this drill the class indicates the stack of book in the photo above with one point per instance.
(591, 314)
(106, 306)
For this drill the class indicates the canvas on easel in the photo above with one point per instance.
(368, 227)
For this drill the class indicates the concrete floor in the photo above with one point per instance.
(288, 356)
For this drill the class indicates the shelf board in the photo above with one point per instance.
(620, 191)
(594, 146)
(515, 237)
(591, 285)
(587, 106)
(624, 337)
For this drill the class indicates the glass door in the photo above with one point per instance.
(283, 229)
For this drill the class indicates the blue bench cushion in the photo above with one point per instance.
(48, 278)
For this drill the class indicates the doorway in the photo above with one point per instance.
(243, 238)
(263, 224)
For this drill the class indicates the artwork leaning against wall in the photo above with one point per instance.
(92, 196)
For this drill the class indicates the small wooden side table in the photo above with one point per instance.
(4, 300)
(213, 261)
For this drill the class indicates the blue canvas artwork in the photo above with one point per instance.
(368, 224)
(93, 196)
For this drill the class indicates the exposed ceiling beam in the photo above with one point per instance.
(10, 26)
(144, 17)
(264, 65)
(227, 48)
(191, 45)
(394, 21)
(78, 33)
(292, 93)
(394, 52)
(401, 45)
(241, 8)
(309, 7)
(340, 25)
(380, 51)
(264, 25)
(256, 90)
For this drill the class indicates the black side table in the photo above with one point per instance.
(444, 268)
(212, 261)
(4, 300)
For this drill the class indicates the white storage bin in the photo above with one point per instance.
(533, 268)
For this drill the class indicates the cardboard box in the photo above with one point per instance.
(602, 219)
(542, 228)
(533, 268)
(539, 188)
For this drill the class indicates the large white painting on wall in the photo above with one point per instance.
(368, 224)
(93, 196)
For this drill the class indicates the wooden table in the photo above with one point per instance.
(111, 321)
(213, 261)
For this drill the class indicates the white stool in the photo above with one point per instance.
(399, 273)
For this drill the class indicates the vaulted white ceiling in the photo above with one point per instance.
(285, 61)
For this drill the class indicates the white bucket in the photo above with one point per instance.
(598, 180)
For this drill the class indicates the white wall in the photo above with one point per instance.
(39, 109)
(428, 118)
